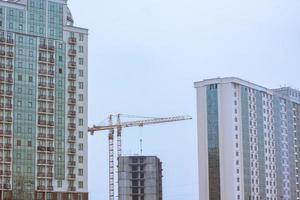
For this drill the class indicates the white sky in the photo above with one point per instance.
(144, 56)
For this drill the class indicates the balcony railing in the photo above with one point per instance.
(71, 150)
(51, 47)
(72, 163)
(9, 41)
(43, 47)
(10, 54)
(50, 123)
(42, 110)
(41, 161)
(7, 186)
(50, 188)
(72, 64)
(72, 89)
(72, 113)
(71, 138)
(72, 40)
(42, 59)
(41, 187)
(41, 148)
(71, 101)
(42, 122)
(71, 176)
(71, 126)
(72, 52)
(72, 189)
(71, 76)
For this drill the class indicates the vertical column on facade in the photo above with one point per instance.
(71, 51)
(213, 142)
(246, 142)
(6, 110)
(46, 125)
(278, 146)
(296, 120)
(291, 149)
(261, 130)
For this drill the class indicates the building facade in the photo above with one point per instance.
(43, 102)
(140, 178)
(248, 141)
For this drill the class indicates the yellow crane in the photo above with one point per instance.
(112, 123)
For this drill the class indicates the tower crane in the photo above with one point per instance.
(112, 123)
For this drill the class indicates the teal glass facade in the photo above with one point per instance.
(213, 142)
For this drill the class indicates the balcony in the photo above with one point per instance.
(8, 106)
(50, 110)
(72, 189)
(41, 148)
(41, 161)
(42, 110)
(51, 60)
(7, 133)
(42, 84)
(72, 40)
(50, 123)
(71, 101)
(50, 175)
(10, 41)
(10, 54)
(71, 151)
(51, 85)
(51, 47)
(50, 188)
(7, 159)
(7, 186)
(51, 72)
(50, 136)
(50, 162)
(72, 163)
(9, 67)
(72, 76)
(50, 149)
(42, 122)
(41, 174)
(72, 113)
(9, 92)
(2, 53)
(42, 136)
(72, 89)
(50, 97)
(41, 187)
(42, 96)
(72, 52)
(43, 47)
(5, 146)
(72, 64)
(71, 138)
(71, 176)
(43, 71)
(43, 59)
(71, 126)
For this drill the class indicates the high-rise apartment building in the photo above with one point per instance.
(43, 102)
(248, 139)
(140, 178)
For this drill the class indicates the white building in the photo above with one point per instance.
(248, 141)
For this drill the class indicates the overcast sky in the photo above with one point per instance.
(144, 56)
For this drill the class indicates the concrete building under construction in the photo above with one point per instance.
(140, 178)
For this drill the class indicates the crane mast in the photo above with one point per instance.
(118, 126)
